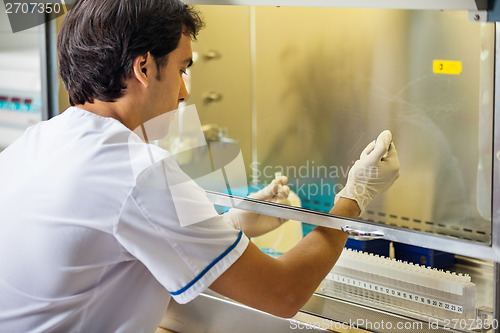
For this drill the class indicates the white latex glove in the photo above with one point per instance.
(254, 224)
(374, 172)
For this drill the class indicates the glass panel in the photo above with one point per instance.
(304, 90)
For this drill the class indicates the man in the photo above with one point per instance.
(91, 237)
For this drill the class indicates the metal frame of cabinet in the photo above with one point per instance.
(50, 76)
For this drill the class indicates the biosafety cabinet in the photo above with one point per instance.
(300, 88)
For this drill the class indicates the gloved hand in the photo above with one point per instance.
(374, 172)
(254, 224)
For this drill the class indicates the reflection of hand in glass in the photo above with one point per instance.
(254, 224)
(277, 191)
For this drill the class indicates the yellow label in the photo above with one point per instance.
(447, 67)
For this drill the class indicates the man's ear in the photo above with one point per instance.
(142, 68)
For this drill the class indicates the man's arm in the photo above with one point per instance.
(281, 286)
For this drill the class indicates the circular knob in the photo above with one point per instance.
(211, 55)
(211, 97)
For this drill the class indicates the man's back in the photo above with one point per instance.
(63, 185)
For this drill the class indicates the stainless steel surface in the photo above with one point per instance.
(396, 4)
(213, 314)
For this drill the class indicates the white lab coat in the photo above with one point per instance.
(90, 239)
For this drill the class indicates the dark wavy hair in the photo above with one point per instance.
(99, 40)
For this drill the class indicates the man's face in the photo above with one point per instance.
(168, 88)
